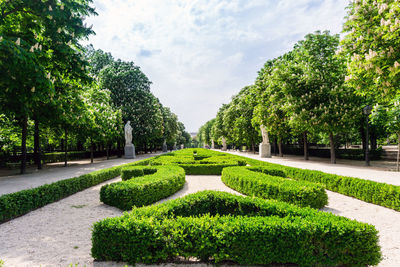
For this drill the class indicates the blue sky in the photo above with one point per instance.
(200, 53)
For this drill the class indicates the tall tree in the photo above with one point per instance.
(328, 106)
(372, 43)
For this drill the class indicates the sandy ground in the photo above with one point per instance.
(344, 167)
(59, 234)
(53, 173)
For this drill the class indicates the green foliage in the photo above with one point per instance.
(382, 194)
(219, 226)
(372, 45)
(272, 183)
(143, 186)
(21, 202)
(204, 162)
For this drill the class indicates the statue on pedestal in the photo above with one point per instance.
(265, 146)
(128, 134)
(224, 147)
(164, 146)
(129, 147)
(212, 144)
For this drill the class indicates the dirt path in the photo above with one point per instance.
(59, 234)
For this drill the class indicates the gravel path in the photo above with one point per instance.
(14, 183)
(59, 234)
(368, 173)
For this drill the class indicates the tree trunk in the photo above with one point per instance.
(23, 144)
(253, 148)
(37, 150)
(108, 151)
(332, 145)
(119, 149)
(305, 146)
(363, 137)
(91, 150)
(398, 150)
(280, 148)
(275, 145)
(66, 147)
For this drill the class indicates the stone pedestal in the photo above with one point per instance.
(224, 148)
(130, 152)
(265, 150)
(164, 148)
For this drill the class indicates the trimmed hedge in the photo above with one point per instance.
(219, 226)
(21, 202)
(271, 183)
(199, 161)
(143, 186)
(381, 194)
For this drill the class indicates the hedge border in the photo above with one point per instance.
(202, 163)
(19, 203)
(382, 194)
(199, 225)
(269, 183)
(143, 185)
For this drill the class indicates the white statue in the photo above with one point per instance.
(224, 147)
(128, 134)
(265, 146)
(212, 144)
(264, 135)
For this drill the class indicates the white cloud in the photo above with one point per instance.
(199, 53)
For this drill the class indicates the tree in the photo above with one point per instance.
(219, 129)
(271, 100)
(170, 126)
(239, 117)
(323, 104)
(39, 46)
(372, 43)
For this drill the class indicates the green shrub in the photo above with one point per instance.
(21, 202)
(264, 183)
(143, 186)
(219, 226)
(382, 194)
(205, 162)
(370, 191)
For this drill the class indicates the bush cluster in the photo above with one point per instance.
(21, 202)
(199, 161)
(142, 186)
(219, 226)
(382, 194)
(272, 183)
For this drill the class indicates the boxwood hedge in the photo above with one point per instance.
(21, 202)
(143, 185)
(219, 226)
(382, 194)
(272, 183)
(199, 161)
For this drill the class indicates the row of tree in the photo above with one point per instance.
(52, 88)
(318, 90)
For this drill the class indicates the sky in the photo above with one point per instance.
(199, 53)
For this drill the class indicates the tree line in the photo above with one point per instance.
(317, 91)
(55, 93)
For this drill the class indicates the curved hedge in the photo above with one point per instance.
(382, 194)
(199, 161)
(219, 226)
(143, 185)
(19, 203)
(271, 183)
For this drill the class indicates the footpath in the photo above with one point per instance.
(347, 168)
(14, 183)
